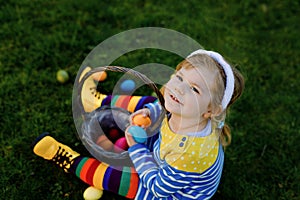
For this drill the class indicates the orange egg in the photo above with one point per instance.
(140, 120)
(99, 76)
(105, 143)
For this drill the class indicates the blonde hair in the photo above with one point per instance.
(217, 89)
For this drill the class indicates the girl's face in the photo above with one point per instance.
(187, 93)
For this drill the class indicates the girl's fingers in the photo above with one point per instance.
(129, 138)
(144, 112)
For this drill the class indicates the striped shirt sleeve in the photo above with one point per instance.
(155, 111)
(161, 181)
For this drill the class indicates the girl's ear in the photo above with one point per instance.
(212, 113)
(217, 111)
(207, 115)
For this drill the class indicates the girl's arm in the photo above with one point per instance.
(155, 110)
(161, 181)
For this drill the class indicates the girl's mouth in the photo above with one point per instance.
(175, 99)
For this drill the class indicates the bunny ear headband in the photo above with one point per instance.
(228, 72)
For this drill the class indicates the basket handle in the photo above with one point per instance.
(137, 74)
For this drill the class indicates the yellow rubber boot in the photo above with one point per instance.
(48, 148)
(91, 98)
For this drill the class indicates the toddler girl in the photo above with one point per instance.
(187, 158)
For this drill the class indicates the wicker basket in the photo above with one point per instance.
(91, 125)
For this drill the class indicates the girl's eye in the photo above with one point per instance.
(195, 90)
(179, 77)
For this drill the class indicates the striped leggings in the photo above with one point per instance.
(119, 180)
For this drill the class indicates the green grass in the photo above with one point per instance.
(37, 38)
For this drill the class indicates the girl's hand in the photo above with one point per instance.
(143, 120)
(139, 118)
(129, 138)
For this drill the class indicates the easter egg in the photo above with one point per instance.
(127, 85)
(99, 76)
(105, 143)
(141, 120)
(62, 76)
(113, 134)
(138, 134)
(92, 193)
(121, 145)
(153, 94)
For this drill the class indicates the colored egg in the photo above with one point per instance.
(113, 134)
(105, 143)
(120, 145)
(62, 76)
(99, 76)
(153, 94)
(127, 85)
(138, 134)
(92, 193)
(141, 120)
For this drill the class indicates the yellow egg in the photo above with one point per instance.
(92, 193)
(62, 76)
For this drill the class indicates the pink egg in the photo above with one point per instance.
(120, 145)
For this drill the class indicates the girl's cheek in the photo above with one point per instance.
(172, 82)
(168, 85)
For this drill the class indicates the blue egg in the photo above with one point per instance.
(138, 134)
(127, 85)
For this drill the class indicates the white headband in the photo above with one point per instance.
(228, 72)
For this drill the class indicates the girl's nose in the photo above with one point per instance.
(180, 89)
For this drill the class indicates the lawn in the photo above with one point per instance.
(261, 38)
